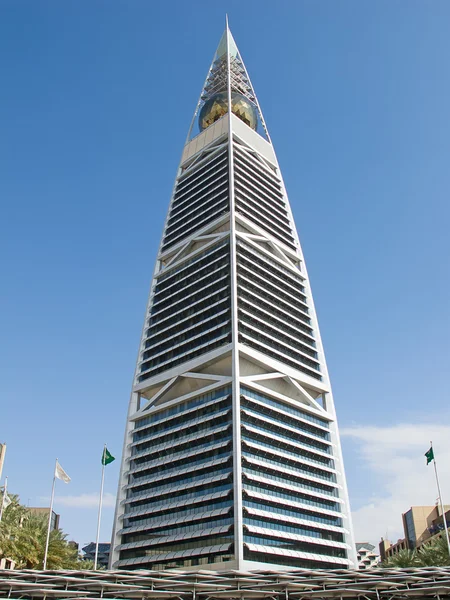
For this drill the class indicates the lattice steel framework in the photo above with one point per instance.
(232, 456)
(298, 584)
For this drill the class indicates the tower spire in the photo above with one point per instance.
(227, 58)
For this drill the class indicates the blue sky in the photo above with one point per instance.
(96, 100)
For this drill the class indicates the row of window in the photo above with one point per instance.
(270, 319)
(265, 224)
(252, 434)
(268, 472)
(278, 429)
(196, 331)
(176, 530)
(185, 441)
(210, 272)
(248, 198)
(250, 178)
(183, 418)
(219, 204)
(281, 461)
(189, 321)
(170, 271)
(265, 345)
(274, 490)
(285, 418)
(197, 173)
(269, 455)
(248, 289)
(192, 266)
(282, 414)
(287, 561)
(293, 275)
(296, 546)
(186, 511)
(204, 193)
(187, 184)
(197, 426)
(177, 546)
(263, 278)
(271, 474)
(258, 342)
(281, 336)
(199, 199)
(217, 394)
(152, 484)
(272, 506)
(213, 340)
(250, 298)
(269, 179)
(286, 275)
(206, 217)
(197, 561)
(188, 303)
(322, 534)
(278, 404)
(172, 471)
(273, 209)
(215, 300)
(171, 494)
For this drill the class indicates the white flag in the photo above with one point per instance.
(61, 474)
(6, 500)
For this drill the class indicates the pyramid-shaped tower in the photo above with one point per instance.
(232, 457)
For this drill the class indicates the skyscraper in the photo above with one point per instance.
(232, 456)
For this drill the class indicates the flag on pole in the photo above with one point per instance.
(429, 455)
(60, 473)
(6, 500)
(107, 457)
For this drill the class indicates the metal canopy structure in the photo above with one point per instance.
(298, 584)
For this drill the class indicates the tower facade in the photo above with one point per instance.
(232, 457)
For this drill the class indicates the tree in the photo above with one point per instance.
(23, 536)
(403, 559)
(432, 554)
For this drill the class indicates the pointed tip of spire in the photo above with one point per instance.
(227, 43)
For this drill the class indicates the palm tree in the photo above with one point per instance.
(28, 545)
(403, 559)
(431, 554)
(23, 537)
(434, 553)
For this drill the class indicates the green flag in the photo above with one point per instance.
(107, 457)
(429, 455)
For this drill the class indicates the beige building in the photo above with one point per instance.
(38, 510)
(420, 525)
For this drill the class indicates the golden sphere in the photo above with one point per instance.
(217, 106)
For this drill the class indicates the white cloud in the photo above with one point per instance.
(393, 457)
(85, 500)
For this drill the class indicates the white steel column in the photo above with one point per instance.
(236, 401)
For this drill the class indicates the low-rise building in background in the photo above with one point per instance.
(38, 510)
(367, 558)
(421, 524)
(103, 553)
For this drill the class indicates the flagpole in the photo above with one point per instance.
(100, 507)
(44, 566)
(3, 498)
(441, 503)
